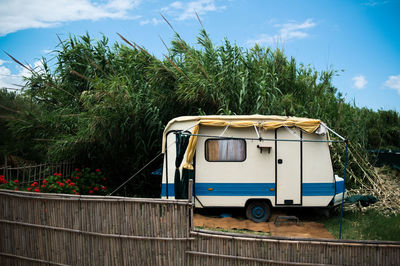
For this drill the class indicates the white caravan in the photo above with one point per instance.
(256, 162)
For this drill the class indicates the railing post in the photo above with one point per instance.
(344, 186)
(5, 166)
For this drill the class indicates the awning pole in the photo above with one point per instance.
(223, 132)
(344, 187)
(258, 134)
(331, 130)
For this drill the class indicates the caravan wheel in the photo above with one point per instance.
(258, 211)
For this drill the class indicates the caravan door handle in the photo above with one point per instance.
(280, 161)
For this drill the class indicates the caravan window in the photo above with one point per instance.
(225, 150)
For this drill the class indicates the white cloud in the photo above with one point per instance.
(295, 31)
(17, 15)
(359, 82)
(187, 10)
(16, 81)
(152, 21)
(394, 83)
(286, 32)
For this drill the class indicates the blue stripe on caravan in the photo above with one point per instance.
(171, 190)
(339, 187)
(234, 189)
(255, 189)
(318, 189)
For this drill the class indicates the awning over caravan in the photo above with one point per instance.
(264, 122)
(268, 122)
(309, 125)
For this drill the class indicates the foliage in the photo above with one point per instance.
(4, 184)
(89, 182)
(54, 184)
(84, 182)
(107, 105)
(12, 107)
(369, 225)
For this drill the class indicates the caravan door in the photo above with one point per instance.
(288, 167)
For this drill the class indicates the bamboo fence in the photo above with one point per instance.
(51, 229)
(219, 248)
(31, 173)
(57, 229)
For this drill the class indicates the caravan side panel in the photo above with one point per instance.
(318, 178)
(231, 184)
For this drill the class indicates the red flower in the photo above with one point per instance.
(55, 174)
(95, 188)
(43, 185)
(71, 184)
(97, 170)
(68, 180)
(16, 181)
(79, 173)
(29, 189)
(103, 187)
(76, 193)
(61, 184)
(44, 181)
(36, 190)
(16, 188)
(77, 177)
(77, 169)
(90, 191)
(73, 190)
(59, 174)
(58, 182)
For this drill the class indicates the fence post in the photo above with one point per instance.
(190, 200)
(190, 227)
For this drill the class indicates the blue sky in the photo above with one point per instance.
(362, 38)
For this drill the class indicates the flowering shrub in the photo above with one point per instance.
(55, 183)
(4, 184)
(83, 181)
(89, 182)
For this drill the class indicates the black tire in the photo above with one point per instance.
(258, 211)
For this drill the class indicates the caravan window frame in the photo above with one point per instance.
(225, 161)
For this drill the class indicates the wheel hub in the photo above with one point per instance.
(258, 212)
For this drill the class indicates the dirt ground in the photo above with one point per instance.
(288, 229)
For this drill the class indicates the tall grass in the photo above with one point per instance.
(369, 225)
